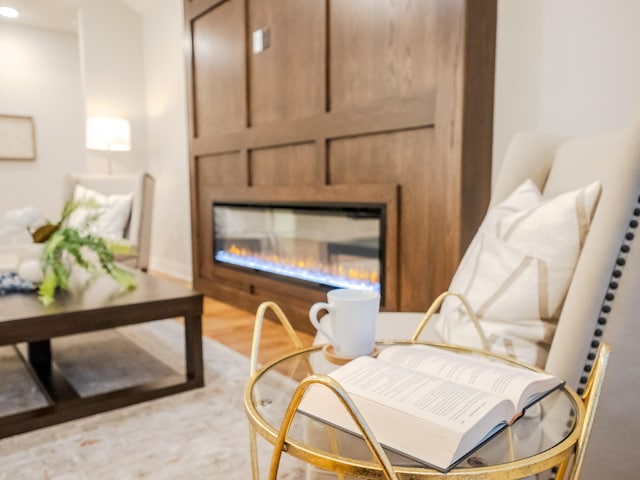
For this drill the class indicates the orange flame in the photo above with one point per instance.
(368, 275)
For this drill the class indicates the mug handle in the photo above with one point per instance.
(313, 317)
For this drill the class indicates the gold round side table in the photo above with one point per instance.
(545, 437)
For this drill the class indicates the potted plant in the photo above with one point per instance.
(64, 246)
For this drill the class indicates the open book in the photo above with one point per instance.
(432, 405)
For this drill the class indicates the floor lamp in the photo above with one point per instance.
(109, 134)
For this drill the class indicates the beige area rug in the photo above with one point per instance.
(199, 434)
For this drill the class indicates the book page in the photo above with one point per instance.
(443, 402)
(512, 382)
(430, 420)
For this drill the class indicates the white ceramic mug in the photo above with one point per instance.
(353, 316)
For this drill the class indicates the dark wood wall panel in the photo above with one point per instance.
(221, 169)
(288, 165)
(218, 68)
(381, 50)
(405, 158)
(380, 158)
(362, 96)
(212, 172)
(287, 78)
(382, 117)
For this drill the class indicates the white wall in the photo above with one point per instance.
(40, 77)
(590, 74)
(568, 67)
(167, 134)
(518, 59)
(133, 67)
(112, 69)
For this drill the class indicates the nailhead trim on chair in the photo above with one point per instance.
(610, 296)
(606, 306)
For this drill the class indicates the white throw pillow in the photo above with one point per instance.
(111, 215)
(517, 270)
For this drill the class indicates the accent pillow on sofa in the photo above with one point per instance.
(108, 220)
(517, 270)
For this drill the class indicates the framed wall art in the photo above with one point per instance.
(17, 138)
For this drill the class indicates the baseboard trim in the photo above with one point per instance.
(172, 268)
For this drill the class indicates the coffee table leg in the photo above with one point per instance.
(40, 358)
(193, 349)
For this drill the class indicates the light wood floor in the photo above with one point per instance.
(234, 328)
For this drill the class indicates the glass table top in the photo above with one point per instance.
(547, 428)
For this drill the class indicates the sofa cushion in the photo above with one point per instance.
(516, 272)
(102, 215)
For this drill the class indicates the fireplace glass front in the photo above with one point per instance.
(329, 246)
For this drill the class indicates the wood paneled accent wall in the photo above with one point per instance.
(353, 95)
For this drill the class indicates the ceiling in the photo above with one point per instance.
(59, 15)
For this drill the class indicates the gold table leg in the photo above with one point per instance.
(324, 380)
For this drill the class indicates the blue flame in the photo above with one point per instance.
(309, 275)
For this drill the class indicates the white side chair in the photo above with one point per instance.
(602, 302)
(137, 232)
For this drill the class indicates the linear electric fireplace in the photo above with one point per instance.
(324, 245)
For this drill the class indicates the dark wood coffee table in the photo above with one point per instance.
(24, 319)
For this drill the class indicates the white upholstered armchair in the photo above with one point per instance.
(602, 302)
(132, 199)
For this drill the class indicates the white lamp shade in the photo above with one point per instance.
(108, 133)
(9, 12)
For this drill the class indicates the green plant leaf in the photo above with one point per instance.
(65, 245)
(47, 288)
